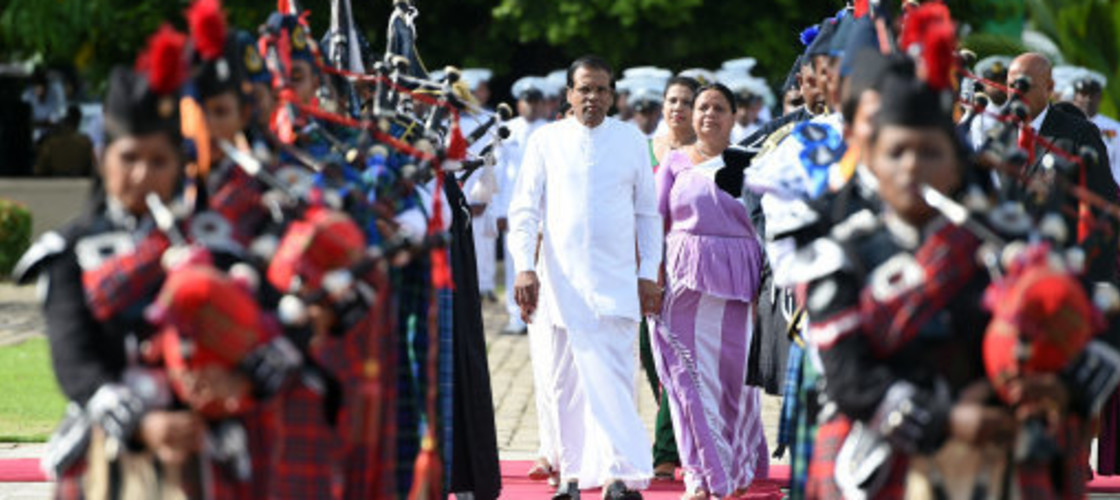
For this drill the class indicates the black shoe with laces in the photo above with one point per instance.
(568, 491)
(618, 491)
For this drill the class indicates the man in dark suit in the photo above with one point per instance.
(1054, 124)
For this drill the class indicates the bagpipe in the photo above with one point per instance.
(1036, 244)
(345, 191)
(1046, 314)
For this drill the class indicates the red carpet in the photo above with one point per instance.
(21, 470)
(516, 486)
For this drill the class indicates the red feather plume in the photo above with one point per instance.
(163, 60)
(208, 27)
(939, 47)
(861, 8)
(921, 19)
(929, 34)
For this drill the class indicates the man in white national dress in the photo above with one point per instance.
(586, 184)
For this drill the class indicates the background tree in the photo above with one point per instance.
(516, 37)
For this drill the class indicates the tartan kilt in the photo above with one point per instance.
(1066, 477)
(822, 469)
(304, 455)
(363, 361)
(1063, 479)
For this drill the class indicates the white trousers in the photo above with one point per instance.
(602, 438)
(485, 250)
(540, 355)
(512, 308)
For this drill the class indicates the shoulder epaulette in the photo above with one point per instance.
(46, 248)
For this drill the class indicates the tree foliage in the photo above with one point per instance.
(514, 37)
(1088, 32)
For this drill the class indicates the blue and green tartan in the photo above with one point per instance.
(412, 284)
(446, 378)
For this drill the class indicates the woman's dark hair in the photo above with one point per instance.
(589, 62)
(684, 81)
(721, 88)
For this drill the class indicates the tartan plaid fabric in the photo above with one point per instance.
(122, 282)
(446, 379)
(238, 200)
(789, 396)
(805, 433)
(258, 427)
(1068, 476)
(1063, 479)
(69, 484)
(822, 478)
(948, 263)
(223, 486)
(821, 482)
(362, 361)
(305, 448)
(412, 284)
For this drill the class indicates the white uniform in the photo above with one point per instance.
(540, 346)
(980, 125)
(1110, 134)
(509, 164)
(590, 193)
(484, 226)
(741, 132)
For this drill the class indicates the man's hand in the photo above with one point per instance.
(503, 224)
(650, 295)
(477, 209)
(1039, 394)
(526, 289)
(975, 423)
(172, 435)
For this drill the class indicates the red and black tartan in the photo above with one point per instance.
(305, 448)
(948, 261)
(821, 483)
(238, 200)
(363, 361)
(122, 281)
(1037, 481)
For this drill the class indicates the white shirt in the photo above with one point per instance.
(591, 192)
(509, 160)
(468, 123)
(741, 132)
(984, 122)
(1110, 134)
(1036, 123)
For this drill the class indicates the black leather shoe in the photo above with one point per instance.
(569, 491)
(618, 491)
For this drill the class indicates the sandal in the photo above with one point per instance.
(665, 471)
(540, 470)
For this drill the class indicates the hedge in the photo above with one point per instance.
(15, 234)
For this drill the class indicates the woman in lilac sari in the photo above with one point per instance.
(712, 265)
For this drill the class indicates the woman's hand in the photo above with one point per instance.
(526, 289)
(650, 294)
(172, 435)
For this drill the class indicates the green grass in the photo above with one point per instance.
(30, 402)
